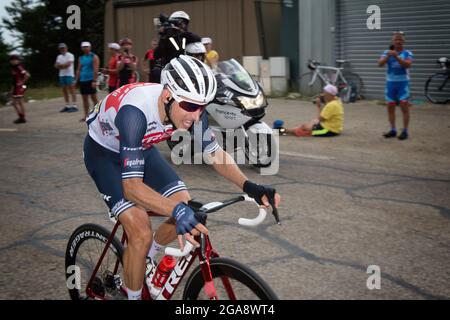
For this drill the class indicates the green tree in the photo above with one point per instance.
(41, 25)
(5, 75)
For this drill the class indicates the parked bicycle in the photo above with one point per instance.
(349, 84)
(437, 87)
(98, 254)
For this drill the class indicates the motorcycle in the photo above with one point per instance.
(236, 113)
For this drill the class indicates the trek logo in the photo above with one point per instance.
(175, 278)
(131, 163)
(132, 149)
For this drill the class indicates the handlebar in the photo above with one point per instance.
(215, 206)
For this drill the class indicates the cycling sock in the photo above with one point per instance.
(154, 249)
(134, 295)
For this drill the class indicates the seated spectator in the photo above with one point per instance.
(329, 121)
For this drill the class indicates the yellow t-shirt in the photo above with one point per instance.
(212, 57)
(333, 113)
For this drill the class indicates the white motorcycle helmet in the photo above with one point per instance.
(179, 15)
(189, 79)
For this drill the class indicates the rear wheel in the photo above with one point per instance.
(245, 283)
(310, 90)
(83, 252)
(437, 88)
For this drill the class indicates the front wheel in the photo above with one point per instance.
(83, 252)
(259, 151)
(437, 88)
(232, 281)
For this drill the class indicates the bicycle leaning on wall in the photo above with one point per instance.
(437, 87)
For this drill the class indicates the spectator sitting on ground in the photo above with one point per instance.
(20, 77)
(64, 63)
(212, 57)
(329, 121)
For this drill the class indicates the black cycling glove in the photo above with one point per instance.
(257, 191)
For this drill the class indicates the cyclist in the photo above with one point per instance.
(127, 63)
(398, 61)
(329, 121)
(121, 157)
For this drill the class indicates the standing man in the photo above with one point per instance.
(150, 58)
(212, 57)
(398, 61)
(64, 63)
(87, 72)
(127, 64)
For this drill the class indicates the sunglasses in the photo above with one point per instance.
(189, 106)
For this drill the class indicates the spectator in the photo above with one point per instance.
(212, 57)
(196, 50)
(398, 61)
(114, 52)
(19, 77)
(150, 58)
(329, 121)
(87, 71)
(64, 63)
(127, 63)
(173, 40)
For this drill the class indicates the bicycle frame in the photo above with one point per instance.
(177, 273)
(318, 72)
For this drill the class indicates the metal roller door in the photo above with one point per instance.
(427, 30)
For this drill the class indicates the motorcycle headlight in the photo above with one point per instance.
(252, 103)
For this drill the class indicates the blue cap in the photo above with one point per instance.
(277, 124)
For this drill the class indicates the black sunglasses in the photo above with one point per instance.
(189, 106)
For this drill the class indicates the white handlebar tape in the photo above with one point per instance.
(177, 252)
(253, 222)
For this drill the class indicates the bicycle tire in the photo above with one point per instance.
(354, 78)
(231, 269)
(432, 86)
(77, 239)
(315, 89)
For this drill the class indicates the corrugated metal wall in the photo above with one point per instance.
(427, 29)
(230, 23)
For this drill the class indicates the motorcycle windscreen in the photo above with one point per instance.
(236, 74)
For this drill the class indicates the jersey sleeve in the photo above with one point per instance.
(328, 111)
(384, 54)
(409, 56)
(132, 125)
(209, 143)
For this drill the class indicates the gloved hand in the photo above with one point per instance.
(185, 218)
(257, 191)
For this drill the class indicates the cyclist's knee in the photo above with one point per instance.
(404, 104)
(138, 228)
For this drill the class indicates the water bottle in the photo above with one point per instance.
(162, 273)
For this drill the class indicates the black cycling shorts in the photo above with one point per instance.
(104, 167)
(86, 87)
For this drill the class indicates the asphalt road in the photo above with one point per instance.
(347, 203)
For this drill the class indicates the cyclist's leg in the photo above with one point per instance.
(104, 168)
(161, 177)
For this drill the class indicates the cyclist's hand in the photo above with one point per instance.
(262, 194)
(187, 224)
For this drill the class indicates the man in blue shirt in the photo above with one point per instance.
(398, 62)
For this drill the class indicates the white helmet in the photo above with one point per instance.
(189, 79)
(179, 15)
(195, 48)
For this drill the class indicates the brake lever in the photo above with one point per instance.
(274, 209)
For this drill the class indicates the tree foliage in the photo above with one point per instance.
(41, 25)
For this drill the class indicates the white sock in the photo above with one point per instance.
(154, 249)
(134, 295)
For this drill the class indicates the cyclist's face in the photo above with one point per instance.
(184, 119)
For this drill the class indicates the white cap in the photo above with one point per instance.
(114, 46)
(330, 89)
(62, 45)
(206, 40)
(179, 15)
(196, 47)
(85, 44)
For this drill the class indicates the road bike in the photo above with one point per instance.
(97, 253)
(349, 84)
(437, 87)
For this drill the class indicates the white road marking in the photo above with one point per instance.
(7, 130)
(305, 155)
